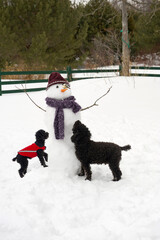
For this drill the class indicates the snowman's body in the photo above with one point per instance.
(61, 152)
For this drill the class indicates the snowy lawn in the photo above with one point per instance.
(46, 206)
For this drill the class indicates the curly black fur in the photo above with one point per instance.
(90, 152)
(41, 136)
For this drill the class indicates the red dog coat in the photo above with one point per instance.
(30, 151)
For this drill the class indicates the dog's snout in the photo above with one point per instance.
(46, 135)
(72, 138)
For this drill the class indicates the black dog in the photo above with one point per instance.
(34, 150)
(89, 152)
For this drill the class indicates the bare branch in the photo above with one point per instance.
(138, 5)
(106, 50)
(97, 9)
(24, 89)
(101, 6)
(95, 103)
(33, 101)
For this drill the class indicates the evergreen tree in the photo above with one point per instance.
(8, 45)
(148, 32)
(67, 35)
(48, 33)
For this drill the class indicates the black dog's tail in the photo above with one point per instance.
(14, 159)
(126, 148)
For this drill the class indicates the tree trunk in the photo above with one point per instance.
(125, 41)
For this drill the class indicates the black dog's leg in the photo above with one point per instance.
(45, 156)
(116, 172)
(23, 161)
(81, 172)
(23, 169)
(88, 171)
(40, 155)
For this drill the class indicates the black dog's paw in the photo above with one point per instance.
(45, 165)
(81, 174)
(116, 179)
(88, 178)
(21, 174)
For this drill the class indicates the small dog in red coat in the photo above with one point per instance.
(34, 150)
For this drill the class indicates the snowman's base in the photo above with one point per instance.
(62, 159)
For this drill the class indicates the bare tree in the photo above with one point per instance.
(138, 5)
(125, 41)
(143, 6)
(106, 50)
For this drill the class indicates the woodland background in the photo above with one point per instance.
(52, 34)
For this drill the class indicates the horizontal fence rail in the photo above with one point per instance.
(22, 85)
(12, 84)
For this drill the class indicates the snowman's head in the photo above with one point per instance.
(58, 87)
(59, 91)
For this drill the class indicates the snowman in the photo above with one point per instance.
(62, 112)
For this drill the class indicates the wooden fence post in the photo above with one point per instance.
(69, 74)
(0, 85)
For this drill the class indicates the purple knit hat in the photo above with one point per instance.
(56, 78)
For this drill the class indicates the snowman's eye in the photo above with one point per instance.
(57, 86)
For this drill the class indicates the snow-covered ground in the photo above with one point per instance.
(46, 206)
